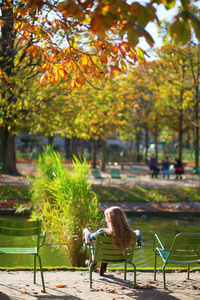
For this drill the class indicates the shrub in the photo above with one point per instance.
(63, 199)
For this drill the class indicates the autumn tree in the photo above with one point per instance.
(73, 36)
(187, 59)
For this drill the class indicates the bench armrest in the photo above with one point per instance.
(43, 238)
(156, 239)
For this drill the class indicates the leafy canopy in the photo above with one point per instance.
(90, 38)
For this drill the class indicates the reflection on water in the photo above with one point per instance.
(143, 258)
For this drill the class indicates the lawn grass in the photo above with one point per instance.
(139, 194)
(115, 194)
(11, 192)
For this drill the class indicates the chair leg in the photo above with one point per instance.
(125, 265)
(155, 265)
(164, 276)
(188, 272)
(134, 272)
(34, 278)
(41, 271)
(90, 269)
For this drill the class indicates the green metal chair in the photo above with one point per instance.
(97, 175)
(104, 252)
(30, 229)
(135, 174)
(185, 249)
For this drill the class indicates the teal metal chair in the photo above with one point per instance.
(115, 174)
(97, 175)
(135, 174)
(196, 174)
(185, 250)
(29, 229)
(104, 252)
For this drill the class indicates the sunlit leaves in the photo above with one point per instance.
(108, 31)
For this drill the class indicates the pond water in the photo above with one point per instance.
(143, 258)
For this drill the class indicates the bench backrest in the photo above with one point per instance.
(185, 248)
(106, 252)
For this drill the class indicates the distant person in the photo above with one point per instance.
(178, 168)
(165, 167)
(153, 165)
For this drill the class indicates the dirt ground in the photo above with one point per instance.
(61, 285)
(74, 285)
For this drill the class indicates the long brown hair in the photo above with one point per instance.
(118, 228)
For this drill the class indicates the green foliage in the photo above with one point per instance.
(63, 199)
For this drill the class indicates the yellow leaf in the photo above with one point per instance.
(17, 25)
(84, 60)
(72, 84)
(62, 73)
(21, 26)
(56, 76)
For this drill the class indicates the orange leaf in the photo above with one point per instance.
(34, 52)
(43, 67)
(103, 57)
(115, 48)
(29, 49)
(95, 24)
(61, 286)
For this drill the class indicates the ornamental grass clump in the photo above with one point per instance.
(63, 199)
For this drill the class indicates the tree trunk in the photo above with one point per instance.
(94, 154)
(67, 148)
(82, 147)
(7, 53)
(146, 144)
(9, 160)
(180, 134)
(156, 138)
(103, 155)
(75, 146)
(196, 134)
(2, 143)
(138, 145)
(50, 140)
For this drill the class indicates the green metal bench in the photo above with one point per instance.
(104, 252)
(185, 249)
(30, 229)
